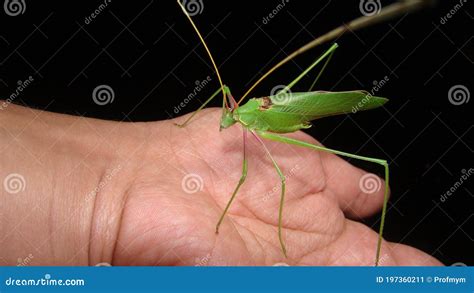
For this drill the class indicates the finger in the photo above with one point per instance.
(358, 192)
(357, 245)
(406, 255)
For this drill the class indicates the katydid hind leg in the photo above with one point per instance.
(283, 139)
(326, 54)
(282, 197)
(321, 71)
(241, 181)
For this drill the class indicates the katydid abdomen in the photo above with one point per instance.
(289, 112)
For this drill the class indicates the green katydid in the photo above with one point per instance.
(286, 112)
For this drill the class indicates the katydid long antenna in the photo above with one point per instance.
(208, 52)
(391, 11)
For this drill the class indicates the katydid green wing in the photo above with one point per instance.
(314, 105)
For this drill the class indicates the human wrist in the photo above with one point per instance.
(72, 173)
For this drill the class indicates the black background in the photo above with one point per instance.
(150, 56)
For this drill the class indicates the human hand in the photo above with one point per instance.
(174, 204)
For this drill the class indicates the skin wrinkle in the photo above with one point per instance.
(120, 219)
(255, 237)
(213, 184)
(138, 237)
(126, 198)
(287, 202)
(178, 159)
(321, 231)
(277, 245)
(240, 236)
(51, 222)
(366, 232)
(330, 249)
(334, 236)
(212, 170)
(183, 243)
(123, 203)
(316, 251)
(233, 223)
(93, 217)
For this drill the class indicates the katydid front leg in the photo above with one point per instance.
(241, 181)
(199, 109)
(279, 138)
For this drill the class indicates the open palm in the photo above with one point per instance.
(187, 175)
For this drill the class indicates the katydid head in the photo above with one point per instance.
(227, 119)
